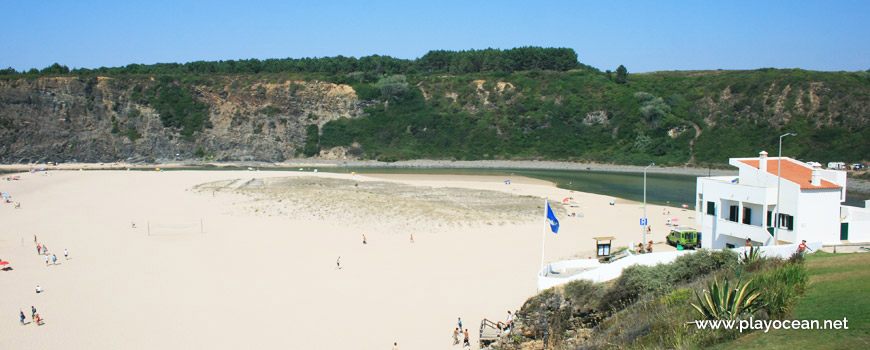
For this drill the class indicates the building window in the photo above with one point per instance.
(747, 215)
(711, 208)
(729, 246)
(769, 218)
(732, 213)
(786, 221)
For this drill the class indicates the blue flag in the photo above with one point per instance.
(551, 218)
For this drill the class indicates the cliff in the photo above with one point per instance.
(670, 118)
(102, 119)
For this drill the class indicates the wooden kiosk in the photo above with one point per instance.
(602, 245)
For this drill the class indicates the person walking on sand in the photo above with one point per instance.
(455, 336)
(38, 249)
(46, 260)
(364, 239)
(53, 259)
(465, 341)
(412, 238)
(33, 312)
(38, 289)
(22, 316)
(459, 322)
(65, 254)
(338, 263)
(37, 319)
(34, 238)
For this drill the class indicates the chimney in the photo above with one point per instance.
(817, 176)
(762, 161)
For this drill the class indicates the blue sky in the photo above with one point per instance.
(643, 35)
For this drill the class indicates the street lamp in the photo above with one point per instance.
(646, 223)
(778, 186)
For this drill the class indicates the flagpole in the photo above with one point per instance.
(544, 233)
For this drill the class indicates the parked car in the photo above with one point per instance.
(687, 237)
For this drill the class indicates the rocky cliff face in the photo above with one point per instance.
(106, 119)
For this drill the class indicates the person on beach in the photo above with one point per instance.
(132, 224)
(54, 259)
(39, 249)
(22, 316)
(338, 263)
(38, 320)
(455, 336)
(44, 249)
(34, 238)
(649, 247)
(364, 239)
(395, 345)
(465, 341)
(38, 289)
(65, 254)
(460, 323)
(46, 260)
(412, 238)
(33, 312)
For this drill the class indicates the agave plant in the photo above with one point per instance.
(751, 255)
(724, 303)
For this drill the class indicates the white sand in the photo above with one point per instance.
(258, 281)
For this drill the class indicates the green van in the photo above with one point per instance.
(687, 237)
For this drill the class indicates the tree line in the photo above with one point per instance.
(438, 61)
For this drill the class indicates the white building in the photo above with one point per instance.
(731, 209)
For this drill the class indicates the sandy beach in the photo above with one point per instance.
(246, 259)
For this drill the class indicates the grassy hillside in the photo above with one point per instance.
(838, 289)
(533, 103)
(668, 118)
(654, 307)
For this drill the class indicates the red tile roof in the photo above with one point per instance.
(793, 172)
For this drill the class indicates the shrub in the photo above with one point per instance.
(751, 255)
(639, 280)
(780, 286)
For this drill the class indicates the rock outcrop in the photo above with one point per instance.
(99, 119)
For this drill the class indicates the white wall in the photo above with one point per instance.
(818, 216)
(724, 193)
(859, 223)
